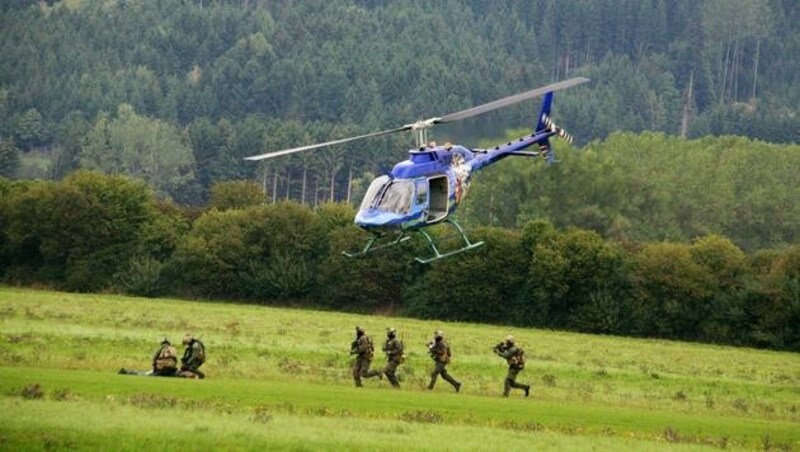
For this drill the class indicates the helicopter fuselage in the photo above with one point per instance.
(427, 187)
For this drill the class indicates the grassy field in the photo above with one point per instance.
(279, 379)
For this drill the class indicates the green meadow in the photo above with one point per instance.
(278, 378)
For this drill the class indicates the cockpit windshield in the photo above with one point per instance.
(389, 195)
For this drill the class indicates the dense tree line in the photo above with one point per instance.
(651, 187)
(673, 228)
(93, 232)
(222, 79)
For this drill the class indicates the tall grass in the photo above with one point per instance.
(270, 367)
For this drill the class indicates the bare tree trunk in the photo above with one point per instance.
(288, 182)
(724, 74)
(316, 191)
(491, 209)
(735, 71)
(755, 72)
(303, 193)
(349, 183)
(275, 187)
(333, 182)
(687, 107)
(264, 180)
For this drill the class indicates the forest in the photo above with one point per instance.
(124, 124)
(178, 91)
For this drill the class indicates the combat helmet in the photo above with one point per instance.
(510, 339)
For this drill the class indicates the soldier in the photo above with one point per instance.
(394, 356)
(440, 353)
(165, 360)
(363, 349)
(193, 357)
(515, 356)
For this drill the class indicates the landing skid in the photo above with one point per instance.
(370, 246)
(402, 237)
(437, 254)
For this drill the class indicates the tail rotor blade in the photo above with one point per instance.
(563, 134)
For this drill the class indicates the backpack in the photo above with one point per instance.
(518, 360)
(401, 355)
(201, 354)
(166, 357)
(167, 351)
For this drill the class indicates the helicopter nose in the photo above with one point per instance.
(375, 218)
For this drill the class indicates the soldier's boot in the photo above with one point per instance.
(432, 383)
(506, 387)
(452, 381)
(527, 390)
(393, 379)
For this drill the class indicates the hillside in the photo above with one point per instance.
(230, 78)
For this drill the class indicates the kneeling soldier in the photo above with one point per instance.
(165, 360)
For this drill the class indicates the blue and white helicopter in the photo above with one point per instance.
(426, 189)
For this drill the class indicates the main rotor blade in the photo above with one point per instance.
(270, 155)
(510, 100)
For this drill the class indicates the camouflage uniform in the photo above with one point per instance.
(363, 349)
(514, 356)
(394, 356)
(440, 353)
(165, 360)
(193, 357)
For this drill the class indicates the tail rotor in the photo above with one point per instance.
(563, 134)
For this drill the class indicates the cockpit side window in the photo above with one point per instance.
(397, 197)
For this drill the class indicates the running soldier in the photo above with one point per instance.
(363, 349)
(515, 356)
(441, 355)
(393, 347)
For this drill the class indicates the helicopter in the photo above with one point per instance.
(426, 188)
